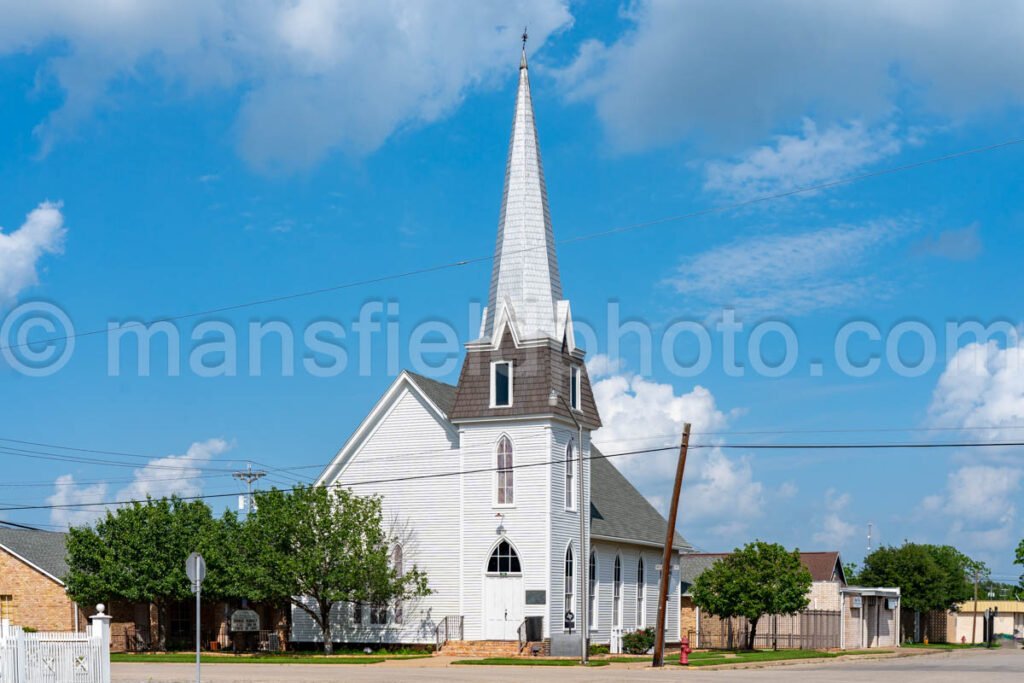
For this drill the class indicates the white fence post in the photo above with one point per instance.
(101, 635)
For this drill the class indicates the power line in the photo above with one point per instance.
(723, 208)
(43, 455)
(438, 475)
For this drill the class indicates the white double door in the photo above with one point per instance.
(503, 607)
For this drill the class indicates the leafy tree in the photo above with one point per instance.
(756, 580)
(1020, 560)
(327, 545)
(850, 572)
(137, 553)
(929, 577)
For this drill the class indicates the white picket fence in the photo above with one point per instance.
(56, 657)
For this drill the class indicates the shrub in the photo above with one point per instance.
(599, 649)
(638, 642)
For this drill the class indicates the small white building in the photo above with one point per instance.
(499, 539)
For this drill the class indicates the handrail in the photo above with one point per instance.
(522, 635)
(439, 639)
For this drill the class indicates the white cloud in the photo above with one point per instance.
(602, 365)
(180, 475)
(794, 161)
(719, 492)
(961, 244)
(981, 390)
(821, 270)
(982, 387)
(313, 75)
(702, 68)
(835, 531)
(42, 233)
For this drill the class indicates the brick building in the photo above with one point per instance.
(32, 592)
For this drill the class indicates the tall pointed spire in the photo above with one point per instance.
(525, 277)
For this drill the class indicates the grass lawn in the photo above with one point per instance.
(189, 657)
(527, 661)
(742, 657)
(943, 646)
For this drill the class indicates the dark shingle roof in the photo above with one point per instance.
(45, 549)
(618, 510)
(441, 394)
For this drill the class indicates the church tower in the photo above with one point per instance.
(524, 410)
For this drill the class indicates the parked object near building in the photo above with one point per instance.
(500, 539)
(56, 657)
(32, 590)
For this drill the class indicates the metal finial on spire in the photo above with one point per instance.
(522, 62)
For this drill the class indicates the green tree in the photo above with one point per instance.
(929, 577)
(1020, 560)
(137, 553)
(329, 546)
(850, 572)
(756, 580)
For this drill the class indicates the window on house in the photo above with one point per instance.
(592, 612)
(7, 607)
(570, 469)
(501, 384)
(617, 593)
(570, 597)
(505, 494)
(398, 562)
(357, 613)
(641, 594)
(574, 387)
(378, 615)
(504, 560)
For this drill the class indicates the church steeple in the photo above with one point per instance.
(524, 279)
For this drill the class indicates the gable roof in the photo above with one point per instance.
(45, 550)
(618, 510)
(441, 395)
(823, 566)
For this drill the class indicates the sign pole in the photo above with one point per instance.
(195, 568)
(199, 591)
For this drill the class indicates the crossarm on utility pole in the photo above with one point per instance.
(666, 560)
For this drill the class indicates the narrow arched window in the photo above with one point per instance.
(570, 594)
(592, 612)
(641, 594)
(505, 494)
(398, 562)
(617, 593)
(570, 469)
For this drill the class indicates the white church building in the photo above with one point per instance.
(499, 540)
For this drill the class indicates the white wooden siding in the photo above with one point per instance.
(629, 555)
(565, 526)
(526, 522)
(409, 439)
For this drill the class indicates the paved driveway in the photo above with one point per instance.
(998, 666)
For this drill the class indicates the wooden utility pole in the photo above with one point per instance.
(666, 559)
(974, 618)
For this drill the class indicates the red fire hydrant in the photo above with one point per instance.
(684, 652)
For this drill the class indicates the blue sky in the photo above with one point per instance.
(189, 156)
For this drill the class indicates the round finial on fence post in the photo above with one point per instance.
(100, 608)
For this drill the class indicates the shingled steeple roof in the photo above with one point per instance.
(525, 277)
